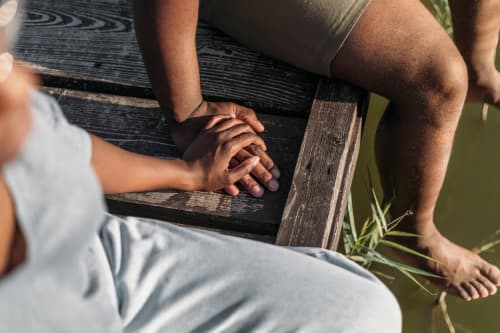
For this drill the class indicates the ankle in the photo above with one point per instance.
(419, 224)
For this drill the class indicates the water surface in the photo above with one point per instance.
(468, 212)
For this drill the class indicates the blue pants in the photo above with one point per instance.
(172, 279)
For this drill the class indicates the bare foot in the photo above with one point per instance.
(465, 273)
(476, 25)
(484, 83)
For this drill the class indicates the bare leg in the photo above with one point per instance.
(398, 50)
(476, 25)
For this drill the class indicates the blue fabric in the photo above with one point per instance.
(173, 279)
(59, 207)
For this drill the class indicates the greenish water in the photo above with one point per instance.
(468, 212)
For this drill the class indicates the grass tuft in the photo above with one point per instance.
(362, 246)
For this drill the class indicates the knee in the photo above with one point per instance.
(443, 88)
(448, 78)
(368, 307)
(379, 311)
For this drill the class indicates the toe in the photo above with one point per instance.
(492, 273)
(492, 289)
(462, 292)
(481, 289)
(471, 290)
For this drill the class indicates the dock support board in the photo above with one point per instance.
(317, 199)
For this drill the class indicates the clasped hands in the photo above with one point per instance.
(220, 142)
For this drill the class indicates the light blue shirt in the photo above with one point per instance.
(64, 282)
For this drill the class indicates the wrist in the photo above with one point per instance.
(181, 115)
(197, 177)
(183, 131)
(180, 111)
(187, 177)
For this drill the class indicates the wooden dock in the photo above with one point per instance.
(88, 58)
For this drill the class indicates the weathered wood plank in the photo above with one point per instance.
(349, 170)
(316, 203)
(94, 40)
(135, 124)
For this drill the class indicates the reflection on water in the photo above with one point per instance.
(468, 212)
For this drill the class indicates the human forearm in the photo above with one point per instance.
(7, 226)
(120, 171)
(205, 164)
(166, 31)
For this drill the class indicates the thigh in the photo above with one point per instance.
(307, 34)
(172, 279)
(399, 50)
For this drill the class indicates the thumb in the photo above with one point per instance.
(248, 116)
(243, 169)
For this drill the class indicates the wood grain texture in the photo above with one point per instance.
(89, 45)
(135, 124)
(94, 40)
(316, 203)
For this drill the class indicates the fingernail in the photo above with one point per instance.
(257, 191)
(275, 172)
(273, 185)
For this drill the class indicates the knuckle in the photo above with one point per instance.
(268, 163)
(216, 118)
(265, 160)
(231, 105)
(226, 179)
(235, 122)
(247, 181)
(247, 128)
(242, 137)
(249, 135)
(265, 176)
(254, 149)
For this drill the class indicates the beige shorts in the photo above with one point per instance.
(304, 33)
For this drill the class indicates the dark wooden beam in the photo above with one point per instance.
(316, 203)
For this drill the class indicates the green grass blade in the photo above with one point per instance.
(400, 266)
(380, 228)
(375, 236)
(408, 275)
(347, 237)
(394, 223)
(359, 259)
(378, 211)
(352, 221)
(396, 233)
(418, 283)
(405, 249)
(366, 226)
